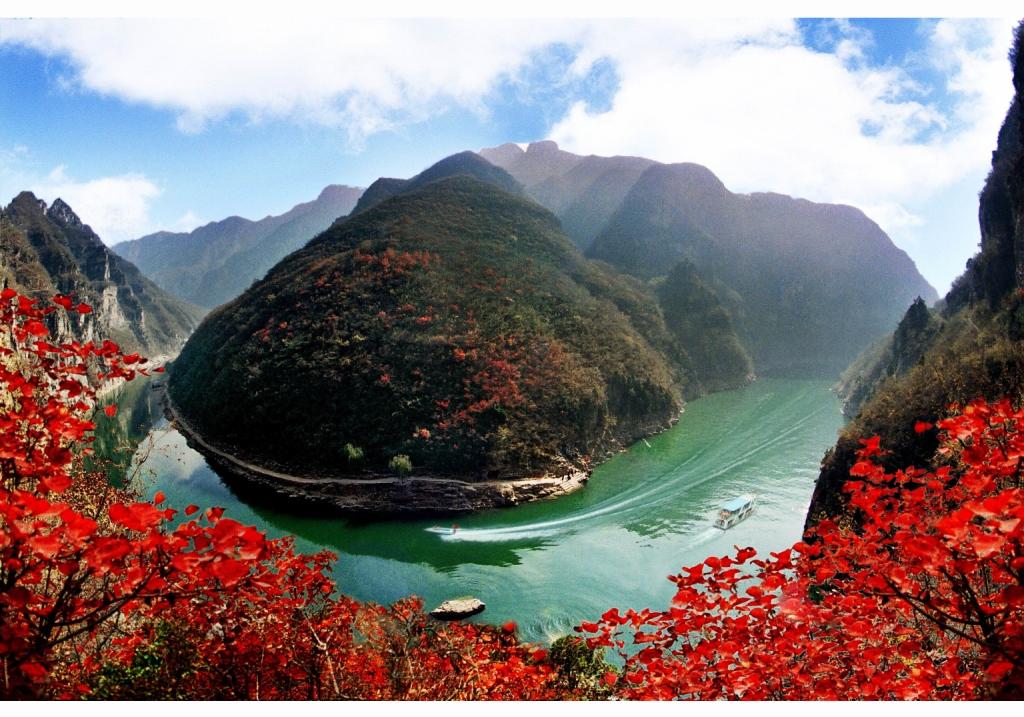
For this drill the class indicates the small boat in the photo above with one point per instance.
(734, 511)
(646, 443)
(443, 530)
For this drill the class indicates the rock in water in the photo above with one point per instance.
(457, 609)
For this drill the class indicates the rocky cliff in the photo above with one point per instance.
(49, 250)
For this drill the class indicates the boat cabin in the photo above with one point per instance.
(734, 511)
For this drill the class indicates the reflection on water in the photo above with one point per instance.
(644, 514)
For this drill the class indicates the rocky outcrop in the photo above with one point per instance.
(970, 346)
(49, 250)
(377, 493)
(458, 609)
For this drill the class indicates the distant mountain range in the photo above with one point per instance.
(48, 250)
(216, 262)
(807, 284)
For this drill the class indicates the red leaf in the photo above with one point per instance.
(110, 410)
(192, 508)
(36, 328)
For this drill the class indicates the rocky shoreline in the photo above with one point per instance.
(406, 496)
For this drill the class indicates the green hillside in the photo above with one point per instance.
(454, 324)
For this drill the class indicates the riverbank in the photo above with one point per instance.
(409, 495)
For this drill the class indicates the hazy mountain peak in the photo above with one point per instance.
(215, 262)
(545, 146)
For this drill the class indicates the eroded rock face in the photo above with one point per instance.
(47, 251)
(458, 609)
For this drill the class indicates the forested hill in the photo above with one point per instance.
(46, 251)
(464, 163)
(216, 262)
(971, 346)
(808, 285)
(452, 326)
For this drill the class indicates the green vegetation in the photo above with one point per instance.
(453, 324)
(699, 322)
(160, 669)
(400, 464)
(581, 669)
(467, 164)
(353, 454)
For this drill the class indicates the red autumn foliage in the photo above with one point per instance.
(920, 594)
(93, 582)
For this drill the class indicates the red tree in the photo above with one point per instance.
(101, 595)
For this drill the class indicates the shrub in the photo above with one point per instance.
(400, 464)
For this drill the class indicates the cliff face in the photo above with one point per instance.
(972, 347)
(216, 262)
(45, 251)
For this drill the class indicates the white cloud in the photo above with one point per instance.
(363, 76)
(188, 221)
(117, 207)
(771, 113)
(745, 97)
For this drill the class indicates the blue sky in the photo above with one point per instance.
(143, 125)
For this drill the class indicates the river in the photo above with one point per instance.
(645, 513)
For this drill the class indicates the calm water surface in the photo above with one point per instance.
(645, 514)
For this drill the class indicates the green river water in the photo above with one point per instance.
(645, 513)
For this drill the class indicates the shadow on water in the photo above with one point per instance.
(645, 513)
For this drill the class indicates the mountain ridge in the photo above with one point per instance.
(215, 262)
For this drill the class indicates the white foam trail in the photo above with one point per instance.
(544, 528)
(485, 535)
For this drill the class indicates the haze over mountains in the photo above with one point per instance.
(48, 250)
(216, 262)
(806, 283)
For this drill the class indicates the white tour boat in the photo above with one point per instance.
(734, 511)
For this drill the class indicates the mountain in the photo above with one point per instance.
(971, 345)
(806, 284)
(452, 323)
(216, 262)
(48, 250)
(467, 164)
(583, 192)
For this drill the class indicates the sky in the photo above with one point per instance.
(143, 124)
